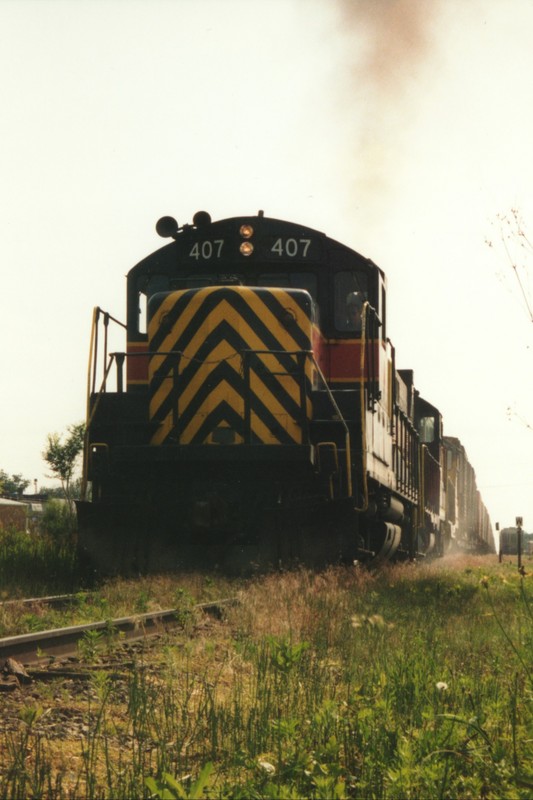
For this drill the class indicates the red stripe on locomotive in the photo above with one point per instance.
(137, 369)
(344, 359)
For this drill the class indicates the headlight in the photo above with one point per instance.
(246, 248)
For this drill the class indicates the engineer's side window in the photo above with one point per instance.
(426, 429)
(350, 293)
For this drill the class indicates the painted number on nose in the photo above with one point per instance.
(206, 250)
(291, 247)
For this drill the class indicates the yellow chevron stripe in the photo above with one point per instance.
(261, 430)
(185, 318)
(222, 392)
(224, 311)
(289, 383)
(219, 313)
(272, 322)
(164, 429)
(275, 408)
(222, 352)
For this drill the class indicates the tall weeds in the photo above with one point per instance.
(414, 683)
(34, 564)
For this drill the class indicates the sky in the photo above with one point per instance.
(402, 128)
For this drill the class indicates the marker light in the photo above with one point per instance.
(201, 218)
(246, 248)
(167, 226)
(246, 231)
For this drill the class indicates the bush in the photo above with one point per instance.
(32, 564)
(58, 521)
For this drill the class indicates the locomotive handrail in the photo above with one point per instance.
(90, 417)
(340, 418)
(94, 338)
(301, 356)
(342, 421)
(364, 506)
(91, 379)
(120, 357)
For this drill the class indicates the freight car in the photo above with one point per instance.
(509, 542)
(257, 416)
(465, 513)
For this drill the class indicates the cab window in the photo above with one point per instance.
(426, 429)
(350, 291)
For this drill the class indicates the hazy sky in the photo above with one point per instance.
(400, 127)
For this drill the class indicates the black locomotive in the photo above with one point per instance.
(257, 415)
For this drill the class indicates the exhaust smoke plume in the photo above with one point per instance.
(393, 41)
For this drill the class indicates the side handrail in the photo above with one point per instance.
(92, 369)
(341, 420)
(93, 351)
(362, 404)
(120, 357)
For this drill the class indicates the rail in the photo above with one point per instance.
(54, 601)
(32, 648)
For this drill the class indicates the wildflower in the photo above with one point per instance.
(373, 621)
(485, 581)
(267, 767)
(441, 686)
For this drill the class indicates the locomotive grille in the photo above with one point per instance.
(229, 365)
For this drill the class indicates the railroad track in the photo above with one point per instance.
(33, 648)
(53, 600)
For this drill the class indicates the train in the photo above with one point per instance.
(256, 416)
(509, 542)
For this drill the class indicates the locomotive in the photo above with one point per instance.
(256, 416)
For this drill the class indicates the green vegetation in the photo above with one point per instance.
(12, 486)
(62, 454)
(36, 564)
(412, 683)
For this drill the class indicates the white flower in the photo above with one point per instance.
(441, 686)
(267, 766)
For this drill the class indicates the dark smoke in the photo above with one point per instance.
(393, 41)
(398, 34)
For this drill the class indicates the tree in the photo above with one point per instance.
(61, 456)
(12, 486)
(518, 249)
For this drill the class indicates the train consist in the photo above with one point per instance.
(257, 416)
(509, 544)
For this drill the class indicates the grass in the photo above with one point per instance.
(36, 564)
(412, 683)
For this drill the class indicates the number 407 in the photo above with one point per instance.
(291, 247)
